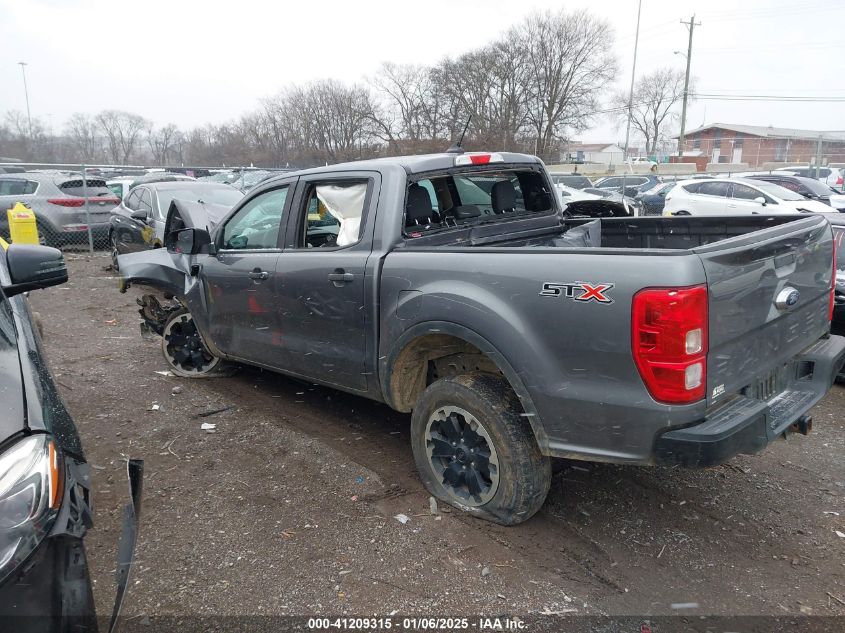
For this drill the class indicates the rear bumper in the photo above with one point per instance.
(746, 425)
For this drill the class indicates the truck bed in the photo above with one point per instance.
(676, 233)
(526, 290)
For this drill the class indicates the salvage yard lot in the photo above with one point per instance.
(288, 507)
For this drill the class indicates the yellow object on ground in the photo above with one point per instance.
(4, 244)
(22, 226)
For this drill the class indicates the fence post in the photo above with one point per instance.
(87, 212)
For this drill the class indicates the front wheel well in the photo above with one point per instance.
(428, 358)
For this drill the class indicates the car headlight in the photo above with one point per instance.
(31, 486)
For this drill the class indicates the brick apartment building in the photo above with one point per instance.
(756, 145)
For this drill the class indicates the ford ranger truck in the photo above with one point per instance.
(456, 287)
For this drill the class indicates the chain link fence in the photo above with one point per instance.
(73, 203)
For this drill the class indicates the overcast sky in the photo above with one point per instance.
(192, 62)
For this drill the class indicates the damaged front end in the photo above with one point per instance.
(172, 270)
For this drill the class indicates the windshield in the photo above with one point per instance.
(226, 196)
(776, 191)
(463, 198)
(817, 187)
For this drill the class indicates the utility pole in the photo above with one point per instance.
(818, 156)
(26, 94)
(691, 26)
(631, 102)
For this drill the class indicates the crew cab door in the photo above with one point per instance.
(240, 280)
(322, 277)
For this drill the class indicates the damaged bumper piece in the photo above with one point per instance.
(51, 590)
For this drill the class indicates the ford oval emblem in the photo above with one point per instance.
(787, 298)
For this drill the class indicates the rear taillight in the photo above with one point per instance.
(78, 202)
(839, 180)
(832, 283)
(669, 342)
(67, 202)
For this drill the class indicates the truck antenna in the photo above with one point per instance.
(456, 147)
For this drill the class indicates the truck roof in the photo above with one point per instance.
(415, 164)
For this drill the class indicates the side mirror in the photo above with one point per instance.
(140, 215)
(188, 241)
(32, 267)
(760, 200)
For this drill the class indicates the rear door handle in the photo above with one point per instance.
(340, 276)
(259, 275)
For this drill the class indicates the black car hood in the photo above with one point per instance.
(28, 395)
(12, 409)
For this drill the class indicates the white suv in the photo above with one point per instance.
(736, 196)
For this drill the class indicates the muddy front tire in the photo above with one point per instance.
(184, 350)
(476, 452)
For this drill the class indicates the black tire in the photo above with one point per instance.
(523, 473)
(184, 350)
(114, 251)
(681, 213)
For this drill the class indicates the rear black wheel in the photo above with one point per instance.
(475, 451)
(184, 349)
(113, 250)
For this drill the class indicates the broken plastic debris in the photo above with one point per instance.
(164, 373)
(154, 407)
(359, 479)
(432, 505)
(684, 605)
(840, 534)
(207, 426)
(485, 571)
(402, 518)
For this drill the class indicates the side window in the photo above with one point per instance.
(788, 184)
(693, 187)
(146, 202)
(714, 189)
(332, 214)
(744, 192)
(12, 187)
(133, 199)
(612, 182)
(31, 187)
(256, 224)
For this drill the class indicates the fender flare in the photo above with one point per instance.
(470, 336)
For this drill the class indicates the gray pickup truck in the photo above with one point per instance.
(454, 286)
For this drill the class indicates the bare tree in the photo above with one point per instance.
(162, 142)
(122, 131)
(655, 96)
(568, 61)
(85, 143)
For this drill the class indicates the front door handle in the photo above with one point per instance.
(340, 276)
(259, 275)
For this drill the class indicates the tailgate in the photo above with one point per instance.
(769, 300)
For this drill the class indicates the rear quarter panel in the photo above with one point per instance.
(573, 358)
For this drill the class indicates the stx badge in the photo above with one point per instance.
(578, 290)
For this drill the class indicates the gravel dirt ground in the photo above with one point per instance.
(288, 507)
